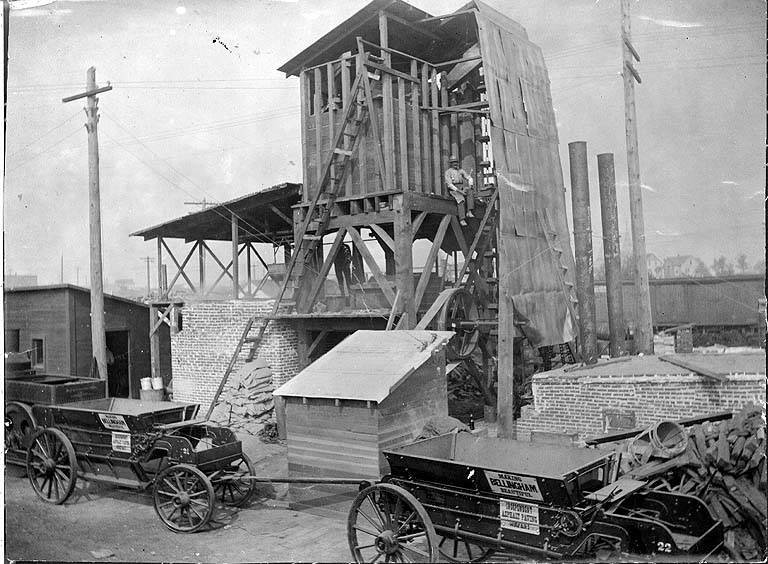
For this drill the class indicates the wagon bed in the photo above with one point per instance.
(140, 444)
(481, 495)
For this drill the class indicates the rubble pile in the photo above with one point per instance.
(245, 404)
(724, 464)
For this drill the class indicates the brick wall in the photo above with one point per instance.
(577, 403)
(210, 332)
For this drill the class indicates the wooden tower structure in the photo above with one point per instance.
(386, 97)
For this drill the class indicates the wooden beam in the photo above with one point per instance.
(316, 341)
(309, 301)
(418, 221)
(346, 96)
(431, 204)
(389, 71)
(331, 104)
(201, 266)
(180, 267)
(457, 110)
(391, 318)
(235, 257)
(395, 51)
(415, 134)
(426, 153)
(361, 219)
(381, 280)
(306, 105)
(447, 17)
(437, 187)
(402, 118)
(479, 233)
(318, 129)
(403, 230)
(415, 28)
(378, 153)
(388, 111)
(281, 215)
(458, 61)
(433, 251)
(383, 235)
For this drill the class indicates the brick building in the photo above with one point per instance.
(639, 391)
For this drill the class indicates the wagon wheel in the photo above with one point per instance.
(20, 425)
(457, 549)
(459, 308)
(183, 498)
(386, 523)
(233, 485)
(51, 465)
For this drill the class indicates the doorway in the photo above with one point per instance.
(118, 364)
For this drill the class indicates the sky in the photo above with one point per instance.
(199, 111)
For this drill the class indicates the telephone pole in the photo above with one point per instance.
(98, 335)
(148, 260)
(644, 323)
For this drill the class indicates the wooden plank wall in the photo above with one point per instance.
(403, 414)
(329, 440)
(524, 138)
(419, 139)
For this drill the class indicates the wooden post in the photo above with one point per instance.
(389, 125)
(306, 106)
(154, 343)
(159, 268)
(248, 266)
(98, 335)
(643, 321)
(404, 258)
(582, 241)
(201, 265)
(611, 252)
(235, 258)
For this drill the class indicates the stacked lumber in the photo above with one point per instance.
(724, 464)
(245, 404)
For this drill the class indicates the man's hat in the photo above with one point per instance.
(453, 159)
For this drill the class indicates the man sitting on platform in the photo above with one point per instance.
(454, 180)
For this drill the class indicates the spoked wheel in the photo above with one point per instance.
(458, 315)
(183, 498)
(20, 425)
(233, 485)
(457, 549)
(51, 465)
(387, 524)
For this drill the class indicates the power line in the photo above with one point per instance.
(70, 118)
(44, 151)
(256, 233)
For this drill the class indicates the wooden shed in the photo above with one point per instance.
(374, 390)
(53, 324)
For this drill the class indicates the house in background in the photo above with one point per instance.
(655, 265)
(684, 266)
(53, 324)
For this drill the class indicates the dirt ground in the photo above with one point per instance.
(107, 524)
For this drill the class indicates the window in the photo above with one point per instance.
(11, 340)
(38, 353)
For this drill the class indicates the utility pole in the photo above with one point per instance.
(644, 323)
(148, 260)
(98, 335)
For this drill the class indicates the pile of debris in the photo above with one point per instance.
(723, 463)
(245, 404)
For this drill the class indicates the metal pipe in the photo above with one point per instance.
(609, 214)
(582, 239)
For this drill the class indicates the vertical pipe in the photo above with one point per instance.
(612, 252)
(582, 240)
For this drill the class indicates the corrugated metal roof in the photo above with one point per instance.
(367, 365)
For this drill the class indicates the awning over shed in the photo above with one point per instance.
(263, 217)
(367, 365)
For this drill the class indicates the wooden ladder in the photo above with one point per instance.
(481, 242)
(318, 214)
